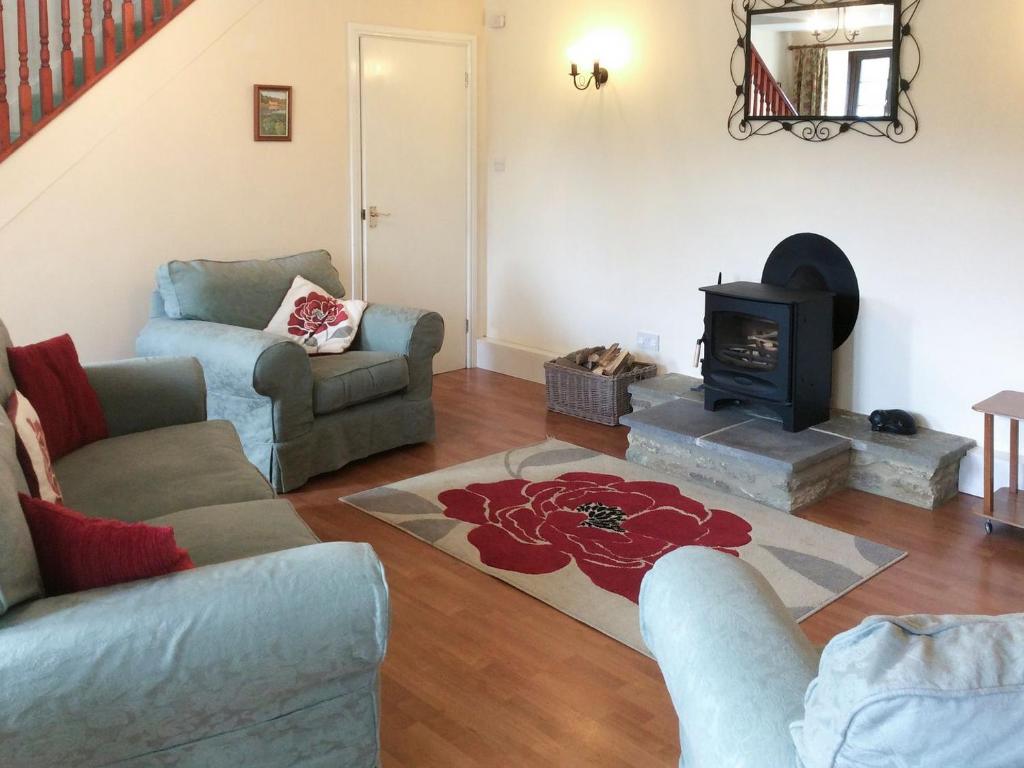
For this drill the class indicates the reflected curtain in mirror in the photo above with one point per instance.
(811, 68)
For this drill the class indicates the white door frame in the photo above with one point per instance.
(356, 33)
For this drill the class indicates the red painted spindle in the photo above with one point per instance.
(109, 34)
(24, 88)
(147, 16)
(45, 72)
(168, 9)
(88, 41)
(5, 109)
(128, 24)
(752, 85)
(67, 55)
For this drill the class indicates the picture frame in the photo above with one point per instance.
(272, 112)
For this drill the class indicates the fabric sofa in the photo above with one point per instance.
(298, 416)
(265, 655)
(895, 692)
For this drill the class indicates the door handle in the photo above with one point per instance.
(374, 214)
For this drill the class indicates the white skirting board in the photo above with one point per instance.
(512, 359)
(972, 472)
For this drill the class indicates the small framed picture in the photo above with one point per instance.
(272, 112)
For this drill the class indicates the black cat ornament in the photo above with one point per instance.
(894, 422)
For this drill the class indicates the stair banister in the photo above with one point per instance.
(80, 68)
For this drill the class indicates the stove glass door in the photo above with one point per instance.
(746, 342)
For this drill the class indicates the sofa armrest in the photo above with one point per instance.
(110, 674)
(415, 333)
(735, 663)
(149, 393)
(241, 363)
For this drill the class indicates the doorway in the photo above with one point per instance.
(413, 191)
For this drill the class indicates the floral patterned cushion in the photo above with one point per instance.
(33, 455)
(320, 323)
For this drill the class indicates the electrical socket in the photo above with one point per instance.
(648, 342)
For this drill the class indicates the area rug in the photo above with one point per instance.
(579, 529)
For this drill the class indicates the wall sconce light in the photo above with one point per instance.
(598, 77)
(609, 46)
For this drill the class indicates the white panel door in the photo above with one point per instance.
(415, 152)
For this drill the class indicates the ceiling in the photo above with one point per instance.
(858, 17)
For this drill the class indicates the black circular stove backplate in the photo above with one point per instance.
(812, 262)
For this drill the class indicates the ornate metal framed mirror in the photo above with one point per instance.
(822, 68)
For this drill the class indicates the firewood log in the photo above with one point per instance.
(582, 357)
(619, 364)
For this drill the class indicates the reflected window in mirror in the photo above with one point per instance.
(869, 78)
(835, 61)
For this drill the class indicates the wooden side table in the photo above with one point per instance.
(1003, 506)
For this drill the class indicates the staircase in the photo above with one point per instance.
(767, 99)
(92, 38)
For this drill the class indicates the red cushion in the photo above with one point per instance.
(76, 552)
(54, 381)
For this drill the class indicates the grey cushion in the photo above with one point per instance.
(243, 293)
(19, 571)
(236, 531)
(917, 691)
(340, 381)
(143, 475)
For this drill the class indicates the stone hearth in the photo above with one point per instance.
(745, 451)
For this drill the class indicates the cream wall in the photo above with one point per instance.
(157, 162)
(616, 206)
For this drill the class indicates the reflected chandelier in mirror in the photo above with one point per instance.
(822, 68)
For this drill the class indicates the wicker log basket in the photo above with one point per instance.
(575, 391)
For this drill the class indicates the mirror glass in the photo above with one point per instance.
(833, 61)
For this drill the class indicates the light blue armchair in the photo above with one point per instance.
(298, 416)
(895, 692)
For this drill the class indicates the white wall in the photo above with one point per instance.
(157, 162)
(616, 206)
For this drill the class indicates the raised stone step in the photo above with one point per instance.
(741, 451)
(664, 389)
(921, 469)
(738, 454)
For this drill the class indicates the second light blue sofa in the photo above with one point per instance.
(298, 416)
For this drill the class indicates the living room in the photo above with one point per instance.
(585, 215)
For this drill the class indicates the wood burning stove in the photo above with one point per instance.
(771, 343)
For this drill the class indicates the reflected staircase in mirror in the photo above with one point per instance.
(88, 39)
(767, 99)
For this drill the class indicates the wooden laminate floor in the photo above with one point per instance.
(480, 674)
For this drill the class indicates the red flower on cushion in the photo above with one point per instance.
(612, 528)
(51, 476)
(314, 314)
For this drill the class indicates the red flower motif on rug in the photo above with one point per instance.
(612, 528)
(314, 314)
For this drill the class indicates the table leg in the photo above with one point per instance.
(1014, 453)
(989, 460)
